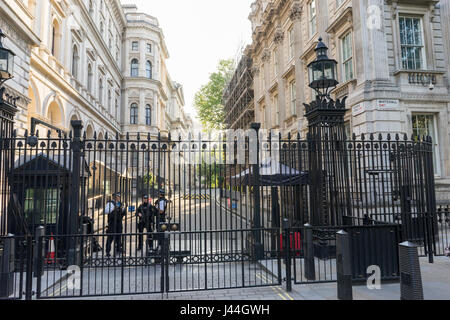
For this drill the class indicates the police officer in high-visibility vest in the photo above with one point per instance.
(161, 205)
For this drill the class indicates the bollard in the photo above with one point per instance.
(310, 269)
(410, 276)
(344, 266)
(7, 266)
(287, 252)
(39, 252)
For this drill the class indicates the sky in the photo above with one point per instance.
(199, 33)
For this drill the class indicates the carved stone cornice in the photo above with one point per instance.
(296, 11)
(278, 37)
(265, 55)
(255, 70)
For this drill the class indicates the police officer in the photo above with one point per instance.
(145, 220)
(115, 211)
(161, 207)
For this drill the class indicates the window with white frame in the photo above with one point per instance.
(291, 43)
(412, 43)
(277, 111)
(312, 18)
(135, 46)
(425, 125)
(293, 98)
(148, 115)
(134, 113)
(274, 63)
(135, 68)
(347, 57)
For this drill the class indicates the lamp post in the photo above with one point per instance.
(6, 61)
(322, 72)
(326, 123)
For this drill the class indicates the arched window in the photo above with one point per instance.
(55, 38)
(148, 69)
(75, 61)
(134, 114)
(100, 91)
(148, 115)
(89, 79)
(135, 68)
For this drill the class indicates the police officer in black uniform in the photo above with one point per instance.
(145, 220)
(115, 211)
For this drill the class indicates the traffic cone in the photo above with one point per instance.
(51, 254)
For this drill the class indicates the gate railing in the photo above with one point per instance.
(180, 261)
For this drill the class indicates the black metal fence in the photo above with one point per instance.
(184, 261)
(226, 200)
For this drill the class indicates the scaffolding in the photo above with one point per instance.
(238, 97)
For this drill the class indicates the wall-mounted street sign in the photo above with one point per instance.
(387, 104)
(358, 109)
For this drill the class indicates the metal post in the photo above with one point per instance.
(29, 269)
(287, 254)
(310, 270)
(72, 227)
(39, 252)
(410, 275)
(344, 266)
(258, 247)
(7, 267)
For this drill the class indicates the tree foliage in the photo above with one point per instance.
(208, 100)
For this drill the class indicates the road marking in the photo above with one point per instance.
(261, 276)
(277, 290)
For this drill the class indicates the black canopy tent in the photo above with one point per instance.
(273, 174)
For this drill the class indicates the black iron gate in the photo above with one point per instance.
(226, 199)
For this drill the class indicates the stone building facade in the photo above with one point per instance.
(393, 66)
(90, 60)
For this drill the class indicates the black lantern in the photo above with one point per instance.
(6, 61)
(322, 71)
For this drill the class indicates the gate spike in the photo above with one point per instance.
(354, 136)
(84, 135)
(106, 136)
(95, 135)
(371, 137)
(289, 136)
(128, 136)
(148, 136)
(26, 133)
(14, 133)
(49, 133)
(405, 137)
(389, 137)
(380, 137)
(397, 137)
(138, 136)
(363, 137)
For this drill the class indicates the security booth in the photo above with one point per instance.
(42, 185)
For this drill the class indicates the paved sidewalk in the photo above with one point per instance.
(436, 280)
